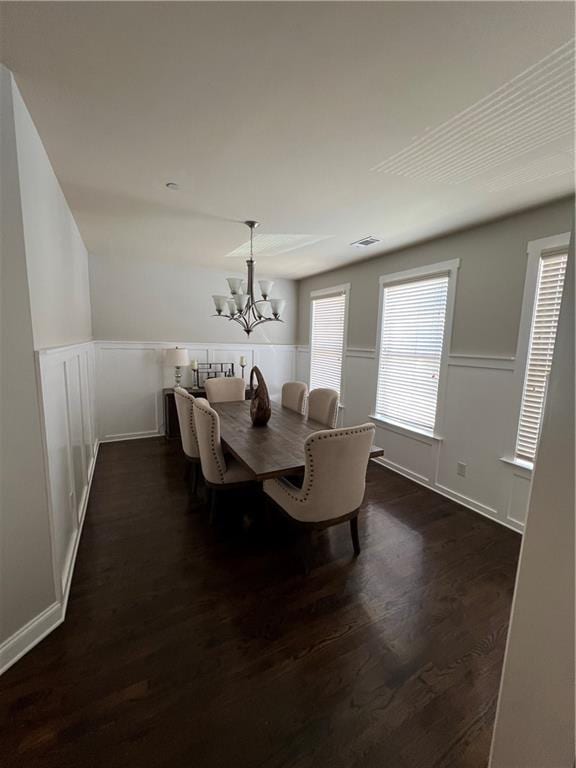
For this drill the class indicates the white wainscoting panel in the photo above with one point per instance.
(66, 385)
(131, 376)
(129, 384)
(476, 428)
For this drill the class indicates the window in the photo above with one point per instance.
(415, 309)
(328, 326)
(549, 285)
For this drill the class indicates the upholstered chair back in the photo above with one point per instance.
(334, 477)
(323, 406)
(185, 409)
(294, 395)
(224, 389)
(208, 431)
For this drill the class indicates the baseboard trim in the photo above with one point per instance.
(25, 638)
(454, 496)
(130, 436)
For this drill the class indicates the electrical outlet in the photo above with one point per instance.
(461, 468)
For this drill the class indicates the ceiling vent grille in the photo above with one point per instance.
(365, 242)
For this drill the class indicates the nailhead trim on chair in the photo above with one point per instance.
(213, 443)
(313, 439)
(181, 392)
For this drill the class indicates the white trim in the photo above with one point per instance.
(449, 268)
(366, 352)
(534, 251)
(416, 433)
(72, 562)
(25, 638)
(207, 345)
(335, 290)
(497, 362)
(526, 467)
(458, 498)
(407, 275)
(130, 436)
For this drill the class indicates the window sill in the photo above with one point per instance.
(526, 466)
(403, 429)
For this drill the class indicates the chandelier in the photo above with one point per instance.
(242, 306)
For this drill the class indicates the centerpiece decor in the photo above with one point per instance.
(241, 306)
(260, 410)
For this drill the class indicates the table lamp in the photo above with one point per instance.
(177, 357)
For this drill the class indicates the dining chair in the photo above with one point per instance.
(334, 482)
(220, 471)
(323, 406)
(294, 395)
(224, 389)
(185, 409)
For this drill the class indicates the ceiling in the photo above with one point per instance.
(326, 121)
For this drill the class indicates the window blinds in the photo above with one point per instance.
(411, 343)
(327, 341)
(549, 287)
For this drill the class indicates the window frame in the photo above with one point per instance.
(443, 268)
(321, 293)
(534, 252)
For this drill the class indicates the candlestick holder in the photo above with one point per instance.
(242, 366)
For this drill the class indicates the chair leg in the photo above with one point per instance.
(212, 517)
(194, 489)
(306, 552)
(354, 535)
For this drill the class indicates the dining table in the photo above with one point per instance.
(273, 450)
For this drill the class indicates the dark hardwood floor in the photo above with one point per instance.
(187, 646)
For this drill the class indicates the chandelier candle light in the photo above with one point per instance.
(242, 306)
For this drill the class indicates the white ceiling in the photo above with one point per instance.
(326, 120)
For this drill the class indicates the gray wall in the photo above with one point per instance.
(57, 260)
(535, 719)
(143, 300)
(26, 575)
(490, 281)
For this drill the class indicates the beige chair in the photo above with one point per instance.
(185, 409)
(294, 395)
(224, 389)
(219, 471)
(323, 406)
(334, 480)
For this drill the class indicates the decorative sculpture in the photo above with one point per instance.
(260, 410)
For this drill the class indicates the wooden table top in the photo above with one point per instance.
(275, 450)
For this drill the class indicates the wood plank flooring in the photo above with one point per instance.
(191, 646)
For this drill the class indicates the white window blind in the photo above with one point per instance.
(411, 343)
(327, 341)
(549, 287)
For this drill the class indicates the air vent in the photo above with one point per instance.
(365, 242)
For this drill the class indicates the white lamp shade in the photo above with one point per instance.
(220, 303)
(177, 357)
(265, 287)
(235, 284)
(277, 306)
(241, 300)
(262, 308)
(232, 308)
